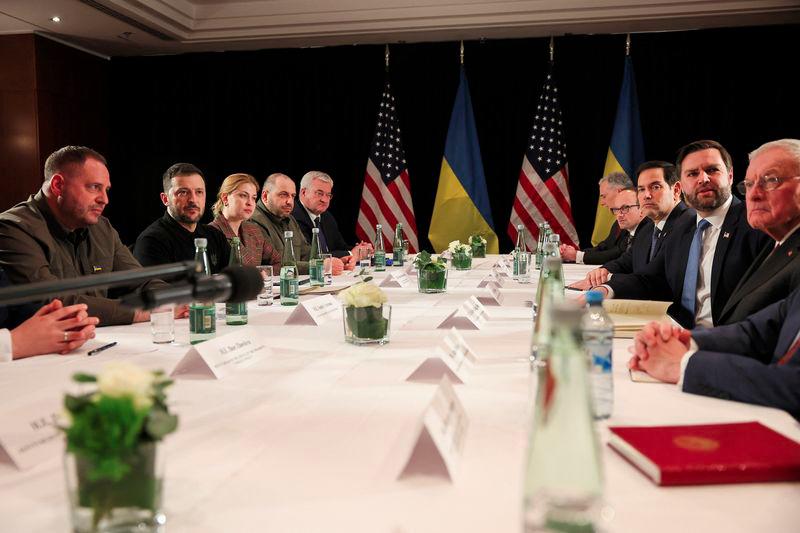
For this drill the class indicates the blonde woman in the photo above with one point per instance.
(235, 204)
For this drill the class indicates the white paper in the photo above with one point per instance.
(221, 356)
(456, 347)
(315, 311)
(30, 434)
(396, 278)
(495, 296)
(440, 444)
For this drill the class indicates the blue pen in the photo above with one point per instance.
(100, 349)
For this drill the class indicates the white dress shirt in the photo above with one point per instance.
(5, 345)
(710, 237)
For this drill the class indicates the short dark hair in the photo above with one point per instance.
(59, 161)
(696, 146)
(670, 170)
(176, 170)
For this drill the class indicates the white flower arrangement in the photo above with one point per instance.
(477, 238)
(119, 379)
(456, 247)
(363, 295)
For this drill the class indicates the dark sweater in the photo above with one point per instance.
(166, 241)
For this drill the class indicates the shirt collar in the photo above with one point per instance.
(717, 217)
(54, 226)
(310, 214)
(787, 235)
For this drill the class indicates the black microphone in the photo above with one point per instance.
(40, 290)
(235, 284)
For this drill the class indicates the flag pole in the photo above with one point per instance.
(462, 53)
(552, 48)
(628, 44)
(386, 58)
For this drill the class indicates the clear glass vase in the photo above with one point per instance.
(367, 325)
(431, 280)
(132, 503)
(478, 249)
(461, 261)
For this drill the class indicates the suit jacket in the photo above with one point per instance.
(273, 227)
(770, 278)
(738, 361)
(12, 316)
(638, 255)
(662, 278)
(337, 246)
(610, 248)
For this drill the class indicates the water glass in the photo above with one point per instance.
(364, 255)
(162, 324)
(265, 296)
(327, 268)
(524, 267)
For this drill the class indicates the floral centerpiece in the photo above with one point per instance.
(460, 255)
(366, 315)
(432, 276)
(478, 245)
(113, 471)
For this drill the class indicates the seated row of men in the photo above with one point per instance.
(720, 262)
(60, 232)
(717, 260)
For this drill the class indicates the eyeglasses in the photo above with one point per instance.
(623, 209)
(765, 183)
(321, 194)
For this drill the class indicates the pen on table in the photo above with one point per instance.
(100, 349)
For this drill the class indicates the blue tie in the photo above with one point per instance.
(656, 233)
(689, 294)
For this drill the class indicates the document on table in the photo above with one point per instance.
(629, 316)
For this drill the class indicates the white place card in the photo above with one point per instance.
(220, 356)
(438, 448)
(502, 271)
(493, 277)
(315, 311)
(495, 296)
(458, 350)
(469, 315)
(397, 278)
(30, 435)
(433, 369)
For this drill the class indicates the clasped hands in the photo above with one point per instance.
(658, 349)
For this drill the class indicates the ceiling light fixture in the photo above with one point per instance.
(56, 18)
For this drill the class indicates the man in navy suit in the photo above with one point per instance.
(659, 194)
(755, 361)
(772, 189)
(707, 253)
(312, 211)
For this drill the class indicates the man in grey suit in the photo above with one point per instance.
(772, 190)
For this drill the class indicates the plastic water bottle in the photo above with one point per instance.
(598, 337)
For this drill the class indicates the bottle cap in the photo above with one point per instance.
(555, 237)
(594, 297)
(288, 234)
(520, 227)
(379, 226)
(200, 242)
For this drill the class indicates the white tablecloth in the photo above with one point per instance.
(313, 437)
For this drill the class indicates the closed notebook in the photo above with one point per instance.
(744, 452)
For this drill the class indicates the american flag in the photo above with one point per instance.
(386, 197)
(543, 192)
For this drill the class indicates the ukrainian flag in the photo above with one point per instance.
(626, 151)
(462, 207)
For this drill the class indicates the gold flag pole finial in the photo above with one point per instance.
(628, 45)
(462, 52)
(386, 57)
(552, 48)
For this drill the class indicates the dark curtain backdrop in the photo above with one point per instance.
(301, 109)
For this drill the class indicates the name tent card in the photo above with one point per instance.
(438, 448)
(452, 360)
(469, 315)
(493, 277)
(315, 311)
(495, 296)
(397, 278)
(223, 355)
(30, 435)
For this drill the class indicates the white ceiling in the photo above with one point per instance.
(141, 27)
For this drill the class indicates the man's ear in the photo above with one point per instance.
(164, 198)
(57, 183)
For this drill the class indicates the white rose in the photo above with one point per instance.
(363, 295)
(120, 379)
(453, 246)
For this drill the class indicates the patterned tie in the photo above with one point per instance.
(323, 244)
(689, 294)
(791, 351)
(653, 241)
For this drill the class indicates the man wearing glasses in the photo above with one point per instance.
(625, 208)
(312, 212)
(707, 253)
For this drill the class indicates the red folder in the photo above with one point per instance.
(744, 452)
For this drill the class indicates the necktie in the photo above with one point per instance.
(791, 351)
(653, 241)
(689, 294)
(323, 244)
(629, 242)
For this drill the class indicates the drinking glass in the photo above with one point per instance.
(327, 268)
(265, 296)
(162, 324)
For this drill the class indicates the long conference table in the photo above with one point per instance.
(313, 436)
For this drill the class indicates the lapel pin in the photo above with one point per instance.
(790, 253)
(726, 235)
(97, 269)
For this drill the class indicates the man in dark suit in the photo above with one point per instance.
(772, 189)
(617, 240)
(755, 361)
(707, 253)
(316, 192)
(659, 193)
